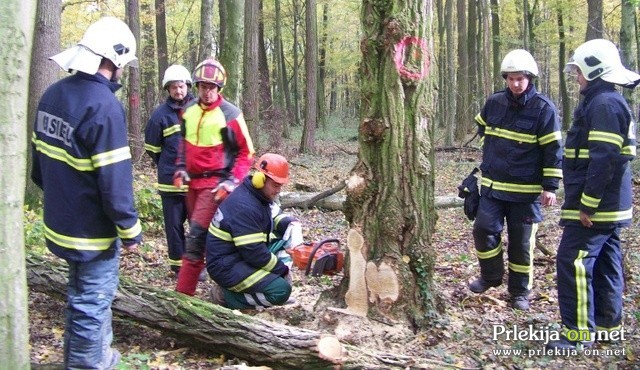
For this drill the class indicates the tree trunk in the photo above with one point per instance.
(296, 63)
(322, 66)
(463, 119)
(147, 51)
(17, 31)
(307, 142)
(231, 46)
(283, 95)
(564, 94)
(595, 27)
(628, 38)
(390, 191)
(46, 42)
(220, 330)
(250, 96)
(162, 50)
(498, 83)
(206, 34)
(451, 98)
(271, 121)
(133, 75)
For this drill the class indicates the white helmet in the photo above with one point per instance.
(600, 58)
(519, 60)
(110, 38)
(176, 73)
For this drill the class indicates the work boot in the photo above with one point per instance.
(481, 285)
(216, 295)
(565, 344)
(520, 302)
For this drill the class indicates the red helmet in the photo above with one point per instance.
(210, 70)
(274, 166)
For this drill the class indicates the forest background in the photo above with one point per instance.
(306, 59)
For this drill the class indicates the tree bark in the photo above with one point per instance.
(206, 36)
(390, 190)
(595, 28)
(251, 105)
(133, 76)
(162, 50)
(46, 42)
(17, 17)
(307, 142)
(231, 46)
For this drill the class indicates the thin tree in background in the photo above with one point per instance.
(46, 42)
(205, 46)
(250, 97)
(149, 74)
(270, 119)
(307, 142)
(495, 44)
(628, 39)
(562, 52)
(450, 74)
(17, 17)
(443, 85)
(594, 20)
(463, 118)
(283, 95)
(296, 61)
(322, 65)
(162, 50)
(133, 114)
(231, 46)
(390, 192)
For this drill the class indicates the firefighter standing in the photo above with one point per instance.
(216, 154)
(161, 141)
(246, 231)
(521, 159)
(82, 162)
(598, 196)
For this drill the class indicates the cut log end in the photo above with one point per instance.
(330, 349)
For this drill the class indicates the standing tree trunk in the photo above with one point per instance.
(322, 65)
(296, 69)
(17, 17)
(46, 42)
(450, 73)
(283, 96)
(147, 51)
(162, 50)
(250, 101)
(628, 38)
(443, 85)
(390, 198)
(594, 20)
(307, 142)
(271, 121)
(463, 117)
(134, 116)
(231, 45)
(564, 94)
(206, 34)
(495, 31)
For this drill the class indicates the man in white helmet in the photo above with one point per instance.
(598, 198)
(161, 141)
(82, 162)
(521, 160)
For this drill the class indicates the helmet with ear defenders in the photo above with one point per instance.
(273, 166)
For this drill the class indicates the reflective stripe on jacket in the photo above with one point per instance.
(600, 144)
(522, 146)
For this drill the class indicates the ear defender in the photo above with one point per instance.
(258, 180)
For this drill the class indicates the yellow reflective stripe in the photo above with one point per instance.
(172, 189)
(220, 234)
(607, 137)
(278, 218)
(245, 132)
(602, 328)
(491, 253)
(82, 244)
(511, 135)
(152, 148)
(131, 232)
(175, 262)
(256, 276)
(552, 172)
(510, 187)
(249, 239)
(582, 315)
(571, 153)
(571, 214)
(520, 268)
(171, 130)
(112, 156)
(480, 120)
(549, 138)
(588, 201)
(628, 150)
(59, 154)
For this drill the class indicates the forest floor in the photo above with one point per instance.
(462, 337)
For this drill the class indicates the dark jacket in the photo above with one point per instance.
(522, 146)
(162, 139)
(238, 256)
(600, 144)
(82, 162)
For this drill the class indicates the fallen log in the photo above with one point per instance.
(222, 330)
(335, 202)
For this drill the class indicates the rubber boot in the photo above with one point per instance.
(188, 276)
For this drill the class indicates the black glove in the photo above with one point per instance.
(469, 191)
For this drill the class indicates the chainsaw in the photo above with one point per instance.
(321, 258)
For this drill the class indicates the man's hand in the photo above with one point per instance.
(548, 198)
(226, 185)
(180, 177)
(585, 219)
(293, 234)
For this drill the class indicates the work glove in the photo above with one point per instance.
(180, 177)
(222, 191)
(293, 234)
(471, 194)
